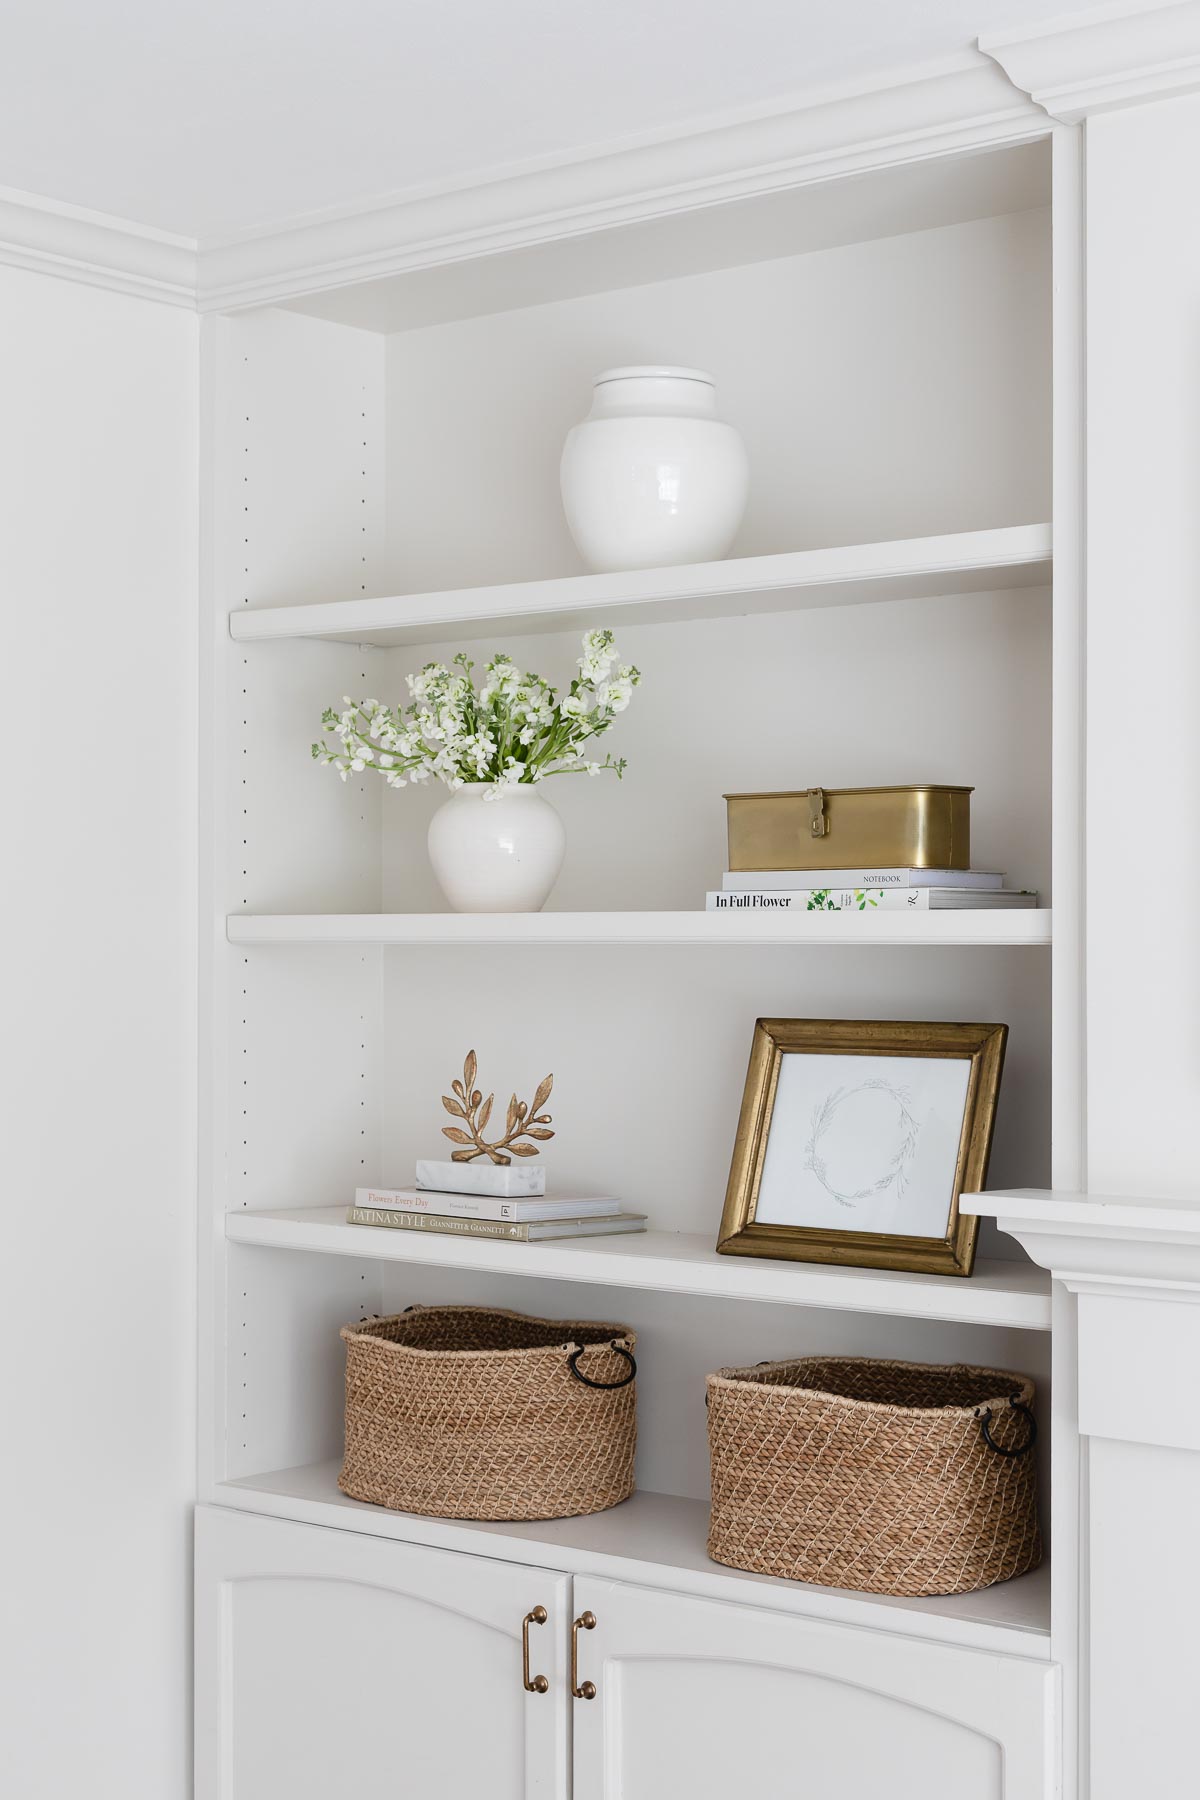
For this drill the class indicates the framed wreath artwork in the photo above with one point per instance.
(856, 1139)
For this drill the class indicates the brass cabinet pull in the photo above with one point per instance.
(535, 1684)
(585, 1622)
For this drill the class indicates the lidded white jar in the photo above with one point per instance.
(652, 476)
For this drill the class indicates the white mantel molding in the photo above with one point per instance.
(1109, 57)
(52, 239)
(1099, 1242)
(1132, 1267)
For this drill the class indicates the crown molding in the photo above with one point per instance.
(962, 104)
(1093, 62)
(52, 239)
(1001, 93)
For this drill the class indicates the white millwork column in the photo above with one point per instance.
(1135, 1268)
(1126, 1488)
(1143, 657)
(1131, 83)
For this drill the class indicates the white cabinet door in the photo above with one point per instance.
(706, 1700)
(328, 1663)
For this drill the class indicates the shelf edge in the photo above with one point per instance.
(665, 930)
(824, 1288)
(956, 553)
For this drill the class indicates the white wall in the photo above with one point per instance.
(97, 631)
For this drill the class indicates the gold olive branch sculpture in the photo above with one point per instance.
(468, 1104)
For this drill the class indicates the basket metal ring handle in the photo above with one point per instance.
(604, 1386)
(1019, 1406)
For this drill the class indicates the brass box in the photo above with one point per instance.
(852, 828)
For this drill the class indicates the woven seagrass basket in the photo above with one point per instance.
(888, 1477)
(467, 1412)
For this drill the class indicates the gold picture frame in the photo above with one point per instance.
(744, 1229)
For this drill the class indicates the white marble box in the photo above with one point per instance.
(511, 1183)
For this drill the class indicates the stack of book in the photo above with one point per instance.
(463, 1200)
(863, 890)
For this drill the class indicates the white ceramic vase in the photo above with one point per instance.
(496, 855)
(652, 476)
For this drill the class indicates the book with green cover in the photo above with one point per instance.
(870, 899)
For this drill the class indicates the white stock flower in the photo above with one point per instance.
(455, 733)
(598, 646)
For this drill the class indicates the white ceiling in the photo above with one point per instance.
(211, 117)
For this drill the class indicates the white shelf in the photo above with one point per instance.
(999, 1293)
(659, 1540)
(965, 562)
(663, 929)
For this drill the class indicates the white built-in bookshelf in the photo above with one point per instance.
(959, 388)
(381, 479)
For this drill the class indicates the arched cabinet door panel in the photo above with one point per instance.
(709, 1700)
(329, 1663)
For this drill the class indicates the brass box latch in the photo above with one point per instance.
(816, 812)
